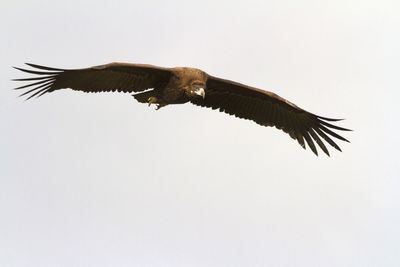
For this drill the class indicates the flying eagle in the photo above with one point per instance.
(164, 86)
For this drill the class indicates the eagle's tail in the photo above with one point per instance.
(144, 97)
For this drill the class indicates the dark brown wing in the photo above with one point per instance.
(269, 109)
(121, 77)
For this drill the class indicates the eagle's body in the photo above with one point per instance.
(180, 88)
(164, 86)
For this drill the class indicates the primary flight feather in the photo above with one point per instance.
(164, 86)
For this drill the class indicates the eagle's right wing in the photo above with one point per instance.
(121, 77)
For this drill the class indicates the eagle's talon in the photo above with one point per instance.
(160, 105)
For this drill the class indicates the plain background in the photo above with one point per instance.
(101, 180)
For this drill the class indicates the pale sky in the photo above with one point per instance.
(101, 180)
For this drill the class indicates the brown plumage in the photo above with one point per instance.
(163, 86)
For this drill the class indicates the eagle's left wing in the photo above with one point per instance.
(269, 109)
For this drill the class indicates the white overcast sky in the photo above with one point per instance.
(101, 180)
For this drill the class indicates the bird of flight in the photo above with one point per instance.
(164, 86)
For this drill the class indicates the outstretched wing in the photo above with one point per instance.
(269, 109)
(121, 77)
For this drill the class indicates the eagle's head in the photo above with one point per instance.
(189, 80)
(197, 89)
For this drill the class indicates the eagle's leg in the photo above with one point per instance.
(152, 100)
(159, 103)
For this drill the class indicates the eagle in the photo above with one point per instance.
(165, 86)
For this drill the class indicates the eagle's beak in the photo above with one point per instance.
(201, 92)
